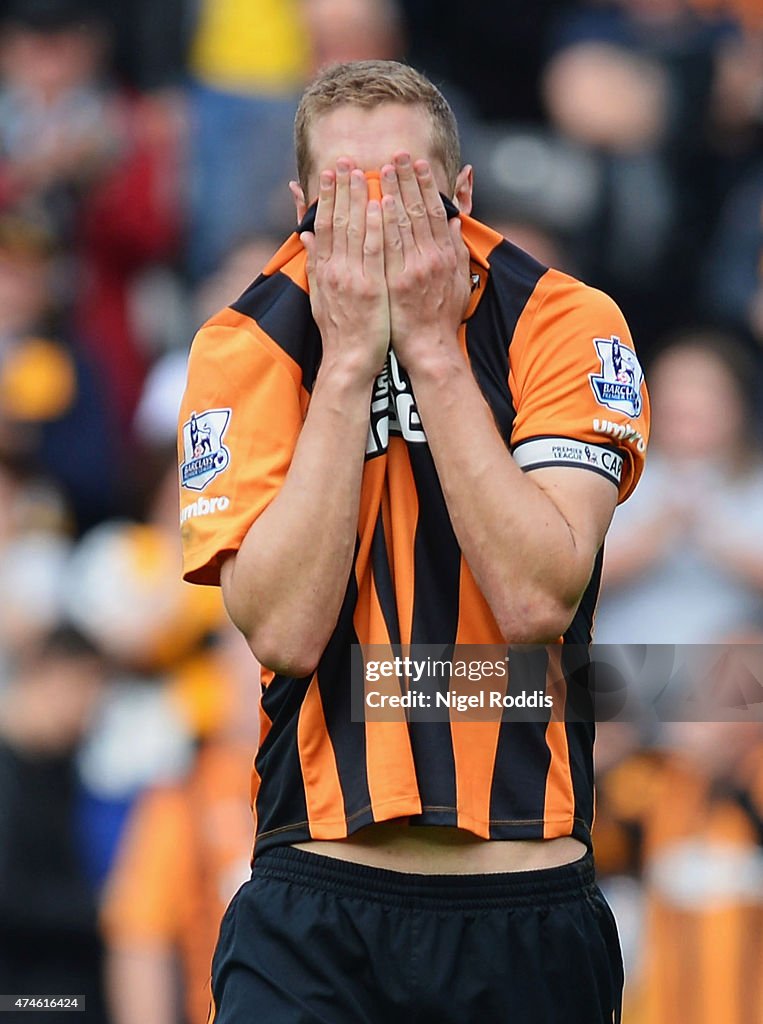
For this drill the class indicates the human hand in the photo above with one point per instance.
(426, 263)
(345, 270)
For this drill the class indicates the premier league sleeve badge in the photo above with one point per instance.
(205, 455)
(619, 385)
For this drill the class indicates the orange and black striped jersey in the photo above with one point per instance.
(555, 362)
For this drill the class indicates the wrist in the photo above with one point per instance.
(433, 360)
(348, 378)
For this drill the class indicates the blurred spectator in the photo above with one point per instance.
(737, 101)
(749, 12)
(690, 815)
(625, 762)
(53, 415)
(631, 82)
(342, 30)
(58, 129)
(48, 938)
(248, 62)
(29, 503)
(732, 285)
(703, 847)
(146, 625)
(101, 165)
(33, 570)
(492, 53)
(152, 618)
(150, 41)
(184, 854)
(684, 560)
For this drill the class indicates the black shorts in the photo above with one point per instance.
(314, 940)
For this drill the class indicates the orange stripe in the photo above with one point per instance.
(559, 807)
(480, 239)
(289, 260)
(390, 771)
(403, 528)
(296, 269)
(323, 790)
(386, 514)
(241, 322)
(475, 742)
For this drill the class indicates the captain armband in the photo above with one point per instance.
(541, 452)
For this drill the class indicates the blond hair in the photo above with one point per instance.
(368, 84)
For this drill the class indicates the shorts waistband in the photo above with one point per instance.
(544, 886)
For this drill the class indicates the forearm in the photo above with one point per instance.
(284, 588)
(520, 548)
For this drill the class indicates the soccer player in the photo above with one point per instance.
(417, 435)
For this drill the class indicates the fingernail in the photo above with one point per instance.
(389, 173)
(403, 160)
(325, 180)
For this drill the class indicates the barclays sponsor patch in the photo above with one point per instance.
(619, 385)
(205, 455)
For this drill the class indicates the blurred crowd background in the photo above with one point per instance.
(145, 150)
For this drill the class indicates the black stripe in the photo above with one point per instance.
(281, 797)
(490, 363)
(437, 573)
(580, 629)
(385, 588)
(437, 557)
(581, 734)
(348, 738)
(513, 277)
(522, 756)
(282, 309)
(580, 740)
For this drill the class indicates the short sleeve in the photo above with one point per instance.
(240, 418)
(577, 384)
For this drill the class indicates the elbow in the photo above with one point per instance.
(278, 642)
(536, 619)
(297, 657)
